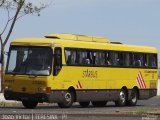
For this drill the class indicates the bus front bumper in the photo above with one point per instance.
(39, 97)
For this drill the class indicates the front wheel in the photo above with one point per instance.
(134, 97)
(122, 98)
(68, 100)
(29, 104)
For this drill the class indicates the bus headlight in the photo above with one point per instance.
(41, 89)
(44, 89)
(7, 88)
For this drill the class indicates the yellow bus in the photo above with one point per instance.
(68, 68)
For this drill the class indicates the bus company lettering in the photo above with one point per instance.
(89, 74)
(149, 71)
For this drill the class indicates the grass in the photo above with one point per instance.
(2, 103)
(142, 111)
(9, 104)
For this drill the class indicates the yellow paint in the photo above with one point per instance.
(104, 77)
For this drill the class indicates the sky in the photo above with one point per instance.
(134, 22)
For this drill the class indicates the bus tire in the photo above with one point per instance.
(68, 100)
(122, 100)
(99, 103)
(29, 104)
(84, 104)
(134, 97)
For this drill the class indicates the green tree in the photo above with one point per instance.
(18, 9)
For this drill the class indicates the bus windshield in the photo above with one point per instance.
(29, 60)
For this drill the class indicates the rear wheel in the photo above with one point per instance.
(29, 104)
(68, 100)
(122, 98)
(99, 103)
(134, 97)
(84, 104)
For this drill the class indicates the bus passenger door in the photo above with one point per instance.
(57, 60)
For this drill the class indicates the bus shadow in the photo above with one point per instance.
(75, 106)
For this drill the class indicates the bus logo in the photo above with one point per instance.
(140, 80)
(79, 86)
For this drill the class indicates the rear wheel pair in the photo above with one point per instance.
(123, 98)
(134, 97)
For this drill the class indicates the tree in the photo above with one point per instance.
(20, 8)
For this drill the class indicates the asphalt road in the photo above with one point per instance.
(145, 110)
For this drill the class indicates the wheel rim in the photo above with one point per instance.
(122, 97)
(68, 97)
(134, 98)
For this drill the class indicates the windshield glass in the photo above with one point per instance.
(29, 60)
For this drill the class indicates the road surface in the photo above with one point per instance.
(145, 110)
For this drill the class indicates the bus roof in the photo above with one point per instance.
(80, 41)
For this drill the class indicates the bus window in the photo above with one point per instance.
(78, 57)
(57, 60)
(67, 56)
(120, 59)
(126, 59)
(152, 60)
(138, 60)
(108, 58)
(85, 57)
(146, 60)
(115, 58)
(18, 56)
(70, 57)
(30, 60)
(131, 59)
(99, 58)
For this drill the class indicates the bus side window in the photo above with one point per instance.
(70, 56)
(126, 60)
(131, 59)
(85, 57)
(152, 60)
(146, 60)
(112, 58)
(57, 60)
(107, 58)
(99, 58)
(120, 61)
(138, 60)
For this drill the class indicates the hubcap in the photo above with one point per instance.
(134, 98)
(68, 97)
(122, 97)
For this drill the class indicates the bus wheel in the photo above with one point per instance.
(122, 98)
(84, 104)
(134, 97)
(29, 104)
(68, 100)
(99, 103)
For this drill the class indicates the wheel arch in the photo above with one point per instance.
(125, 89)
(72, 89)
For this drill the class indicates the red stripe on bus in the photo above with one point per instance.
(79, 84)
(143, 80)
